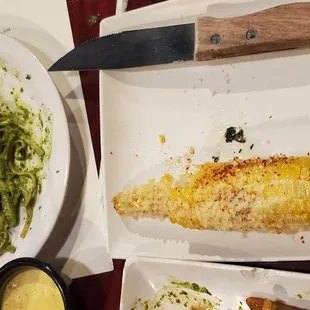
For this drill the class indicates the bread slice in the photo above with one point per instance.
(266, 195)
(255, 303)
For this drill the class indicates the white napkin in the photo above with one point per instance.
(78, 243)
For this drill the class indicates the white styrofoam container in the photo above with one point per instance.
(192, 104)
(144, 277)
(121, 6)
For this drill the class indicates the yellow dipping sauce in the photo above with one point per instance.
(31, 289)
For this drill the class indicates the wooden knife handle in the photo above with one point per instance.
(278, 28)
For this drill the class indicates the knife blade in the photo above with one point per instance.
(131, 49)
(277, 28)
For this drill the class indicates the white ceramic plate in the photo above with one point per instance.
(144, 277)
(192, 104)
(39, 89)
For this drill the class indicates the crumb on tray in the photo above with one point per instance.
(93, 19)
(162, 139)
(191, 150)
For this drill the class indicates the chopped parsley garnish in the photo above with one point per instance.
(193, 286)
(234, 134)
(215, 158)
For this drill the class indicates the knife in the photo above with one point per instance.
(277, 28)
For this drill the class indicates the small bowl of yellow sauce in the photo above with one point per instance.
(31, 284)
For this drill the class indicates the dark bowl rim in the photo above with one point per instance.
(5, 271)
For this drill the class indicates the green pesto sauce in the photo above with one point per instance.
(25, 147)
(192, 286)
(234, 134)
(16, 73)
(3, 65)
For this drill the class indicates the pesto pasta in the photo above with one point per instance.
(19, 181)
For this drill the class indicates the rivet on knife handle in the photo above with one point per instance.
(277, 28)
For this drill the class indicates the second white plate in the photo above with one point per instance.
(147, 281)
(192, 104)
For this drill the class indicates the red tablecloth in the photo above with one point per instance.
(102, 292)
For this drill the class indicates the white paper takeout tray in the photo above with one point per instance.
(192, 104)
(144, 277)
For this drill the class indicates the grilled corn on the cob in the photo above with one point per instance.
(267, 195)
